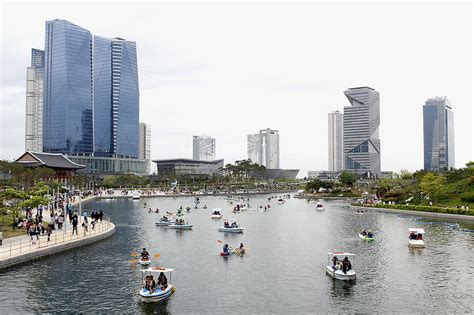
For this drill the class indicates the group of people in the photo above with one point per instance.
(231, 225)
(417, 237)
(151, 285)
(345, 265)
(367, 233)
(179, 221)
(226, 249)
(216, 212)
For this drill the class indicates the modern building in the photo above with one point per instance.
(145, 144)
(204, 148)
(361, 132)
(323, 175)
(34, 102)
(438, 134)
(187, 167)
(91, 98)
(264, 148)
(272, 173)
(335, 141)
(101, 165)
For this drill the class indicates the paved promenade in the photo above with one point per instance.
(19, 249)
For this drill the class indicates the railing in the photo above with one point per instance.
(57, 237)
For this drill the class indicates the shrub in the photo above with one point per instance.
(423, 208)
(467, 196)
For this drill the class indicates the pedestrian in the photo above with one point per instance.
(101, 215)
(49, 230)
(60, 221)
(74, 225)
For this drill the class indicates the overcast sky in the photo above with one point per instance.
(228, 70)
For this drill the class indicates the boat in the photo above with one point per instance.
(335, 271)
(164, 221)
(358, 211)
(179, 226)
(281, 201)
(216, 214)
(320, 206)
(229, 252)
(415, 238)
(144, 261)
(231, 228)
(135, 195)
(366, 238)
(158, 295)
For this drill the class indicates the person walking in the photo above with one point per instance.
(101, 215)
(75, 221)
(49, 230)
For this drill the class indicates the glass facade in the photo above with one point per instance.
(67, 117)
(204, 148)
(264, 148)
(438, 134)
(34, 102)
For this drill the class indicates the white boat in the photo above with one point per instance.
(158, 295)
(281, 201)
(183, 226)
(415, 239)
(164, 222)
(135, 195)
(231, 227)
(336, 271)
(320, 206)
(144, 262)
(216, 214)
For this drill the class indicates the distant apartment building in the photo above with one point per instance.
(145, 144)
(264, 148)
(335, 141)
(438, 134)
(204, 148)
(361, 132)
(34, 102)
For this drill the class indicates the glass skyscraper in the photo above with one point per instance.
(335, 141)
(34, 102)
(438, 134)
(361, 132)
(264, 148)
(204, 148)
(91, 98)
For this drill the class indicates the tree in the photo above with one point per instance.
(405, 175)
(432, 184)
(347, 178)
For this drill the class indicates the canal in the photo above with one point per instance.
(282, 272)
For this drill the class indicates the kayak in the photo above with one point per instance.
(364, 237)
(144, 262)
(230, 252)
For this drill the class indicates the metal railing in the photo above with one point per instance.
(59, 236)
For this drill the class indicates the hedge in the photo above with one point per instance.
(421, 208)
(467, 197)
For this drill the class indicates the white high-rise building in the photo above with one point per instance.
(335, 141)
(204, 148)
(264, 148)
(145, 144)
(34, 102)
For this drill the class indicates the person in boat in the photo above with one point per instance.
(205, 207)
(234, 224)
(157, 211)
(419, 237)
(268, 206)
(179, 212)
(225, 249)
(241, 248)
(238, 207)
(152, 284)
(195, 207)
(146, 283)
(177, 221)
(370, 234)
(412, 236)
(180, 208)
(364, 233)
(346, 265)
(144, 255)
(334, 262)
(226, 224)
(164, 282)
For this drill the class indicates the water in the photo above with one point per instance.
(283, 271)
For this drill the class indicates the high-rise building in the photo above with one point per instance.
(335, 141)
(361, 132)
(264, 148)
(145, 144)
(91, 98)
(204, 148)
(438, 134)
(34, 102)
(116, 97)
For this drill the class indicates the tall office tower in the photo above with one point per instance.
(68, 93)
(361, 132)
(116, 97)
(264, 148)
(438, 134)
(204, 148)
(335, 141)
(145, 144)
(34, 102)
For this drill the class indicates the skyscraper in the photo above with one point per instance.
(264, 148)
(361, 132)
(438, 134)
(34, 102)
(335, 141)
(67, 115)
(204, 148)
(91, 97)
(145, 144)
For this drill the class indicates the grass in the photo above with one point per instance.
(420, 208)
(10, 232)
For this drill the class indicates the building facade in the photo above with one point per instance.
(264, 148)
(187, 167)
(361, 141)
(101, 165)
(204, 148)
(335, 141)
(145, 144)
(91, 95)
(438, 134)
(34, 102)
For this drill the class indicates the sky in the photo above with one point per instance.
(230, 69)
